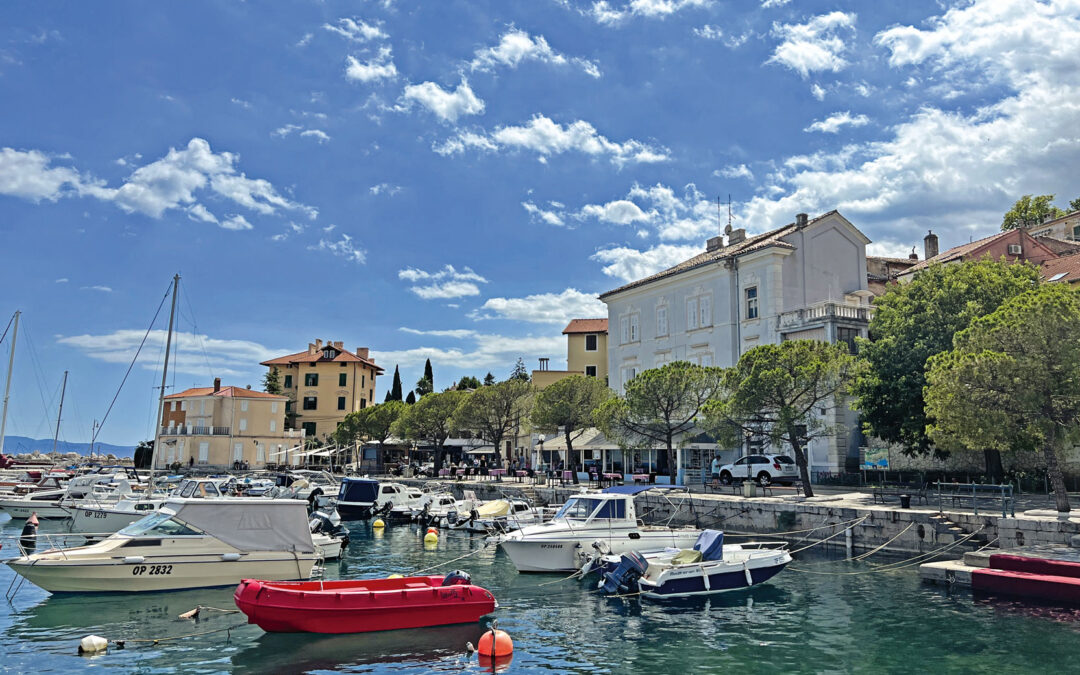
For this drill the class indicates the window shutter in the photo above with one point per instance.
(624, 324)
(691, 314)
(706, 310)
(661, 321)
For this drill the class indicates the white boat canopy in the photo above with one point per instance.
(248, 524)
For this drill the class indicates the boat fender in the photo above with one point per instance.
(749, 577)
(93, 644)
(396, 576)
(133, 559)
(230, 557)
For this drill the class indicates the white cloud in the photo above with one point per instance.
(768, 4)
(687, 216)
(547, 217)
(194, 354)
(236, 222)
(889, 249)
(62, 280)
(833, 123)
(556, 308)
(709, 32)
(200, 213)
(242, 103)
(305, 40)
(101, 289)
(447, 106)
(813, 46)
(487, 351)
(342, 248)
(356, 30)
(628, 264)
(385, 188)
(546, 138)
(282, 132)
(817, 91)
(740, 171)
(620, 212)
(517, 46)
(379, 68)
(604, 12)
(444, 284)
(451, 333)
(317, 134)
(28, 174)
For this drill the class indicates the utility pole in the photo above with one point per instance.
(7, 386)
(63, 389)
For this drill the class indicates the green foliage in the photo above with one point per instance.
(520, 373)
(1013, 380)
(912, 322)
(569, 403)
(272, 381)
(411, 398)
(373, 423)
(496, 411)
(429, 374)
(395, 389)
(1074, 205)
(1029, 211)
(389, 397)
(423, 387)
(659, 404)
(430, 420)
(778, 391)
(489, 380)
(469, 382)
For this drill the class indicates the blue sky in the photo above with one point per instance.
(455, 180)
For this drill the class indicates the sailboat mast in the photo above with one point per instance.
(63, 389)
(164, 376)
(7, 386)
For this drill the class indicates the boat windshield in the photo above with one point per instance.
(158, 524)
(578, 508)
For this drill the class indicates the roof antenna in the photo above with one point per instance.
(727, 230)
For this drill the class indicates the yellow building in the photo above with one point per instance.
(324, 384)
(586, 353)
(221, 426)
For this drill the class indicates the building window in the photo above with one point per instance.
(624, 330)
(590, 343)
(273, 425)
(363, 380)
(183, 405)
(204, 452)
(309, 429)
(628, 374)
(243, 424)
(363, 403)
(260, 453)
(1076, 232)
(288, 407)
(847, 336)
(661, 322)
(311, 379)
(751, 303)
(340, 402)
(635, 328)
(705, 311)
(310, 402)
(243, 406)
(273, 406)
(590, 371)
(288, 381)
(237, 452)
(341, 379)
(692, 314)
(202, 407)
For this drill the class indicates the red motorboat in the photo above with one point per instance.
(362, 605)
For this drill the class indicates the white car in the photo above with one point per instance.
(765, 469)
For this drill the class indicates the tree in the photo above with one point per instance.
(489, 380)
(431, 420)
(659, 405)
(569, 404)
(424, 386)
(411, 398)
(1029, 211)
(519, 372)
(1012, 382)
(914, 321)
(429, 375)
(373, 423)
(468, 382)
(1074, 205)
(395, 389)
(272, 382)
(494, 412)
(389, 397)
(778, 391)
(144, 454)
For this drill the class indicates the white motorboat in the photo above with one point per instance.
(329, 535)
(91, 516)
(104, 487)
(499, 516)
(405, 499)
(442, 507)
(565, 542)
(710, 567)
(187, 543)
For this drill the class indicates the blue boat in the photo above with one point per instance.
(710, 567)
(356, 498)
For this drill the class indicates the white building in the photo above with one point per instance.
(806, 280)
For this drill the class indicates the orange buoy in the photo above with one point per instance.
(495, 643)
(433, 530)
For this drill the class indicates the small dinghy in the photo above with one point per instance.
(710, 567)
(363, 605)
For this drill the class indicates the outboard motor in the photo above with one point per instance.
(624, 578)
(457, 578)
(451, 517)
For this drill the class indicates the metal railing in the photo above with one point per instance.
(823, 312)
(960, 493)
(195, 431)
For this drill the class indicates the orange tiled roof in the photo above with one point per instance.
(305, 357)
(227, 392)
(963, 251)
(1069, 265)
(586, 326)
(754, 243)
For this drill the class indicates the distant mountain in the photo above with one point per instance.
(19, 445)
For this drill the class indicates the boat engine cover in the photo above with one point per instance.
(624, 578)
(457, 578)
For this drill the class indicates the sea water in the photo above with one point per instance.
(822, 615)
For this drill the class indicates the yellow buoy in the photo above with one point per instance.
(378, 523)
(396, 576)
(431, 538)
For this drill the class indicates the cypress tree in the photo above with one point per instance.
(411, 398)
(428, 374)
(395, 391)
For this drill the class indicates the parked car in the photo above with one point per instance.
(765, 469)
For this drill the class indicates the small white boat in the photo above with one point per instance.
(188, 543)
(499, 516)
(565, 542)
(710, 567)
(328, 534)
(103, 487)
(91, 516)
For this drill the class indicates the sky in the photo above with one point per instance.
(456, 180)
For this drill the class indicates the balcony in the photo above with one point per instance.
(825, 312)
(195, 431)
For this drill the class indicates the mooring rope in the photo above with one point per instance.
(121, 643)
(835, 534)
(892, 567)
(443, 564)
(779, 534)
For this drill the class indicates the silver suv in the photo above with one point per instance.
(765, 469)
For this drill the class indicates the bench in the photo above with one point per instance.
(884, 490)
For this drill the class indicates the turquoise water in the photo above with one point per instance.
(800, 622)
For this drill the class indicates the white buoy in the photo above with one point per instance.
(92, 644)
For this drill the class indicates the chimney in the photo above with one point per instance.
(311, 348)
(362, 352)
(714, 244)
(217, 384)
(913, 255)
(930, 247)
(543, 364)
(318, 344)
(339, 345)
(736, 236)
(800, 220)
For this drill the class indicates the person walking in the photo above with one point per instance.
(715, 470)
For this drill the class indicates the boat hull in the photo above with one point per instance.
(22, 508)
(354, 607)
(85, 520)
(566, 553)
(678, 585)
(157, 573)
(354, 510)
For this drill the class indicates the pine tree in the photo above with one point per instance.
(272, 382)
(489, 380)
(395, 391)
